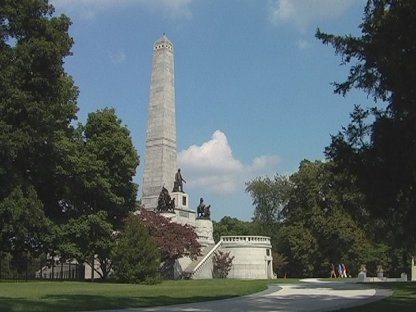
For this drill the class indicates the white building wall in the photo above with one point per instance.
(252, 256)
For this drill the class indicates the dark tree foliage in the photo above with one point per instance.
(104, 168)
(136, 257)
(379, 152)
(37, 99)
(54, 177)
(232, 226)
(174, 240)
(37, 106)
(316, 226)
(87, 239)
(279, 264)
(222, 263)
(22, 222)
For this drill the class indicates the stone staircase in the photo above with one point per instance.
(198, 264)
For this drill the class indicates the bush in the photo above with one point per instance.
(222, 263)
(136, 257)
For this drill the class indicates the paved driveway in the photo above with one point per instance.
(308, 295)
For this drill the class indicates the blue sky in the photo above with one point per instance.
(253, 93)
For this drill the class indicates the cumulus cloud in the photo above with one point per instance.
(87, 9)
(303, 13)
(213, 167)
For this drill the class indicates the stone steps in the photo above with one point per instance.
(191, 267)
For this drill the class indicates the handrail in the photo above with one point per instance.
(246, 239)
(204, 259)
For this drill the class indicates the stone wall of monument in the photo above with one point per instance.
(252, 256)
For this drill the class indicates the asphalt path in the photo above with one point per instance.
(308, 295)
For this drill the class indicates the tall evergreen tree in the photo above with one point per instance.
(378, 148)
(136, 256)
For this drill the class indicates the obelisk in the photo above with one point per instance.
(160, 152)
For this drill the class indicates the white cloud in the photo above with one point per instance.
(87, 9)
(212, 166)
(117, 57)
(302, 44)
(304, 13)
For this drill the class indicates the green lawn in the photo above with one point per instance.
(402, 300)
(75, 296)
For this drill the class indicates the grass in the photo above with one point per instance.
(81, 296)
(402, 300)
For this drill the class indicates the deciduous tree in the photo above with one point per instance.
(174, 240)
(87, 239)
(232, 226)
(105, 165)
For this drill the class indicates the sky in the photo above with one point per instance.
(253, 84)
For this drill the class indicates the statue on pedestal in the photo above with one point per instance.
(203, 211)
(178, 183)
(165, 203)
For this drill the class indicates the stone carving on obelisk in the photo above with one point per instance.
(160, 153)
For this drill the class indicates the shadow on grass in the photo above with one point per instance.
(92, 302)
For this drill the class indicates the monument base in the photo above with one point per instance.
(204, 230)
(181, 200)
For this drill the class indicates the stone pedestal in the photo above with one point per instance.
(181, 200)
(182, 215)
(362, 276)
(204, 230)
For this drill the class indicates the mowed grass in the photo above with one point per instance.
(83, 296)
(402, 300)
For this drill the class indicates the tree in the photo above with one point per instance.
(378, 148)
(232, 226)
(269, 196)
(136, 257)
(299, 246)
(22, 222)
(52, 173)
(87, 239)
(105, 166)
(279, 264)
(174, 240)
(37, 99)
(222, 264)
(37, 106)
(320, 205)
(316, 224)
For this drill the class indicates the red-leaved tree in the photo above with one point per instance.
(174, 240)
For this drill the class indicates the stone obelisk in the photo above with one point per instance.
(160, 153)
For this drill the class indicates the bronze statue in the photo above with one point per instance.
(202, 210)
(177, 184)
(165, 203)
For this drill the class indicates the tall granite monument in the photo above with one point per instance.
(252, 254)
(160, 153)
